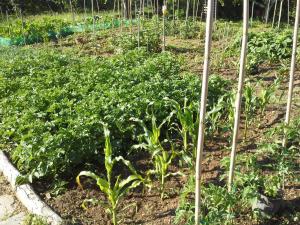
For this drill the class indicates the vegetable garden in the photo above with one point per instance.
(154, 112)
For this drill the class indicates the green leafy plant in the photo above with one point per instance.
(114, 190)
(266, 95)
(250, 106)
(161, 158)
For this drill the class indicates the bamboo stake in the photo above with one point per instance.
(267, 12)
(84, 9)
(280, 13)
(2, 17)
(139, 26)
(197, 8)
(187, 10)
(164, 12)
(72, 11)
(239, 95)
(98, 8)
(292, 72)
(7, 19)
(252, 12)
(92, 4)
(114, 10)
(216, 8)
(274, 14)
(173, 12)
(194, 9)
(201, 132)
(288, 12)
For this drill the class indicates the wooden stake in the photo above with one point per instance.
(84, 9)
(288, 12)
(197, 8)
(267, 12)
(201, 132)
(274, 14)
(292, 72)
(239, 94)
(2, 17)
(72, 11)
(280, 12)
(164, 12)
(92, 4)
(98, 8)
(187, 11)
(252, 12)
(7, 19)
(139, 26)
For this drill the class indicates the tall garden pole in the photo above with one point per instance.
(139, 26)
(197, 8)
(288, 12)
(252, 12)
(7, 19)
(187, 10)
(72, 11)
(2, 17)
(92, 4)
(164, 12)
(201, 132)
(84, 9)
(239, 95)
(292, 72)
(98, 7)
(267, 12)
(280, 13)
(274, 14)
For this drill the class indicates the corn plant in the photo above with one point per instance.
(187, 119)
(113, 191)
(266, 95)
(251, 102)
(161, 158)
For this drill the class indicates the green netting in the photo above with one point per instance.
(5, 41)
(66, 31)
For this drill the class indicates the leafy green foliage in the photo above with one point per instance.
(149, 40)
(114, 192)
(268, 46)
(35, 31)
(52, 104)
(218, 205)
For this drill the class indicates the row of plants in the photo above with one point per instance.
(173, 144)
(259, 183)
(46, 28)
(35, 31)
(53, 104)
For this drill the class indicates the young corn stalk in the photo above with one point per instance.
(266, 95)
(161, 158)
(187, 117)
(113, 191)
(251, 102)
